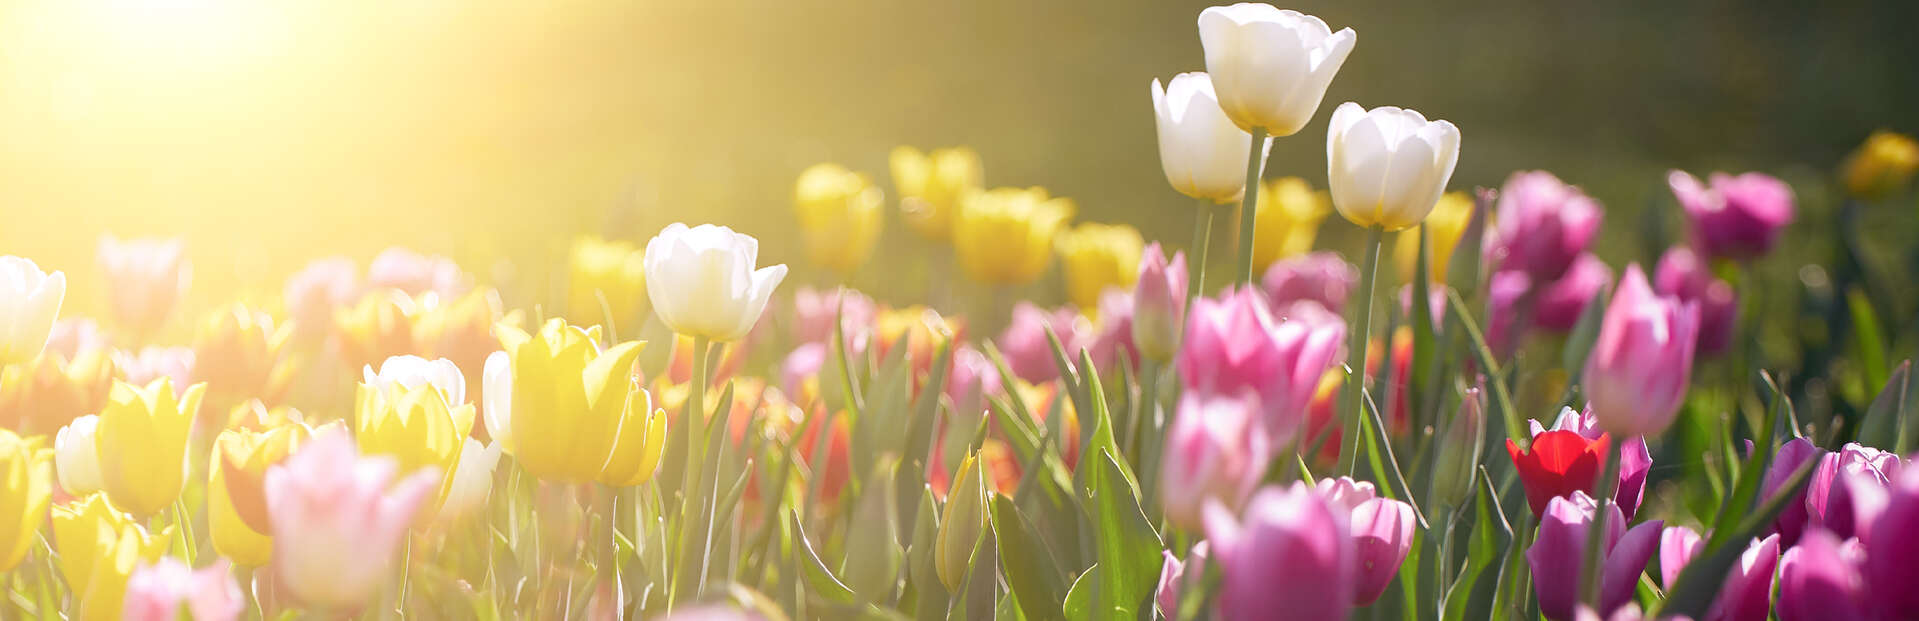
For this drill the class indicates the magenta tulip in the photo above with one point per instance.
(1839, 477)
(1543, 225)
(972, 381)
(1505, 325)
(1286, 557)
(1682, 275)
(337, 520)
(1321, 277)
(1819, 579)
(1637, 372)
(1735, 217)
(1558, 555)
(1746, 594)
(1112, 336)
(1891, 541)
(1215, 451)
(1233, 345)
(1792, 519)
(1159, 303)
(1561, 303)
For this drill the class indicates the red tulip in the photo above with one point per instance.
(1561, 462)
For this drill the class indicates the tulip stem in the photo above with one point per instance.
(183, 527)
(1596, 529)
(1248, 204)
(694, 417)
(1356, 330)
(1202, 237)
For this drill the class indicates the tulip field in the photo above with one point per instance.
(1456, 405)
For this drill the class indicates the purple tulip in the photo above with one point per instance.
(1214, 452)
(1792, 519)
(1233, 345)
(1677, 545)
(1382, 530)
(1637, 373)
(1029, 355)
(1891, 544)
(1839, 477)
(1562, 302)
(1287, 556)
(337, 520)
(1322, 277)
(1746, 594)
(801, 364)
(1736, 217)
(1173, 573)
(1635, 460)
(1682, 275)
(1159, 303)
(1543, 225)
(1819, 579)
(1558, 555)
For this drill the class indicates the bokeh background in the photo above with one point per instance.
(269, 132)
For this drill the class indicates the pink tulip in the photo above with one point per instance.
(337, 520)
(1232, 345)
(1819, 579)
(71, 336)
(1746, 594)
(402, 268)
(1288, 556)
(1558, 555)
(1159, 303)
(1173, 573)
(315, 292)
(1112, 337)
(1890, 522)
(1637, 372)
(1635, 460)
(1682, 275)
(1029, 355)
(1839, 477)
(1543, 225)
(158, 592)
(153, 362)
(1792, 519)
(1562, 302)
(1382, 530)
(802, 363)
(814, 311)
(1677, 546)
(714, 613)
(1214, 452)
(146, 279)
(972, 380)
(1736, 217)
(1322, 277)
(1505, 293)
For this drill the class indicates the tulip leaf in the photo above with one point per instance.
(921, 571)
(1502, 399)
(819, 579)
(1579, 342)
(1079, 598)
(1126, 544)
(876, 428)
(873, 538)
(1075, 382)
(1380, 454)
(1869, 339)
(1031, 572)
(920, 435)
(1880, 425)
(1422, 384)
(1484, 549)
(982, 582)
(1013, 397)
(1750, 474)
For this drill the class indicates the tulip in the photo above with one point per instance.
(25, 489)
(461, 329)
(236, 489)
(473, 478)
(1287, 219)
(1736, 217)
(48, 392)
(416, 274)
(1172, 577)
(1882, 166)
(1112, 334)
(972, 381)
(1388, 166)
(29, 300)
(99, 548)
(1288, 555)
(1214, 452)
(1232, 344)
(1561, 303)
(961, 523)
(1028, 352)
(1746, 594)
(1830, 501)
(313, 294)
(497, 398)
(1819, 580)
(1558, 464)
(1637, 372)
(1321, 277)
(1677, 546)
(1792, 519)
(1096, 256)
(1890, 534)
(1557, 555)
(1382, 530)
(932, 185)
(415, 412)
(1506, 294)
(1004, 236)
(1682, 275)
(1270, 66)
(241, 354)
(1459, 450)
(141, 441)
(1635, 461)
(815, 311)
(153, 362)
(1448, 225)
(1203, 153)
(1159, 303)
(146, 277)
(75, 457)
(73, 336)
(582, 399)
(840, 212)
(337, 520)
(703, 283)
(162, 590)
(1544, 225)
(606, 281)
(379, 326)
(637, 450)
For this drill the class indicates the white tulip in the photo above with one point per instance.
(702, 281)
(472, 479)
(411, 372)
(1271, 67)
(1387, 166)
(1203, 152)
(75, 459)
(496, 384)
(29, 300)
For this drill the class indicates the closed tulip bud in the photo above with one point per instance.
(236, 489)
(141, 440)
(961, 523)
(1112, 333)
(241, 354)
(1203, 152)
(1287, 219)
(581, 397)
(1321, 277)
(1270, 66)
(162, 590)
(75, 457)
(313, 294)
(931, 186)
(99, 548)
(840, 213)
(606, 279)
(1288, 551)
(146, 278)
(1544, 225)
(1173, 575)
(1562, 302)
(337, 520)
(1095, 257)
(1558, 555)
(1448, 225)
(1459, 449)
(1215, 451)
(26, 486)
(702, 281)
(1232, 344)
(1819, 579)
(417, 274)
(1792, 519)
(1682, 275)
(1882, 166)
(1735, 217)
(29, 301)
(1004, 236)
(1637, 373)
(1159, 303)
(973, 380)
(1388, 166)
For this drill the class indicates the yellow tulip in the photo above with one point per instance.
(570, 397)
(106, 591)
(1287, 220)
(1882, 166)
(1448, 224)
(26, 471)
(242, 355)
(641, 442)
(614, 271)
(142, 443)
(417, 427)
(98, 546)
(44, 394)
(1004, 236)
(236, 489)
(960, 524)
(379, 326)
(840, 213)
(931, 187)
(1096, 256)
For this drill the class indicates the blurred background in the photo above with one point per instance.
(270, 132)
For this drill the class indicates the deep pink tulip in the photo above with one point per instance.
(1746, 594)
(337, 520)
(1682, 275)
(1819, 579)
(1159, 303)
(1232, 344)
(1543, 225)
(1172, 575)
(1890, 521)
(1029, 355)
(1505, 293)
(1215, 451)
(162, 590)
(814, 310)
(145, 279)
(1561, 303)
(1792, 519)
(1558, 555)
(1322, 277)
(972, 381)
(404, 269)
(1635, 460)
(1382, 530)
(1637, 372)
(315, 292)
(1288, 556)
(1840, 476)
(1735, 217)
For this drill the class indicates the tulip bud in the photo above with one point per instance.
(702, 280)
(75, 457)
(1557, 556)
(1173, 574)
(1746, 593)
(147, 278)
(29, 300)
(1270, 66)
(1215, 451)
(815, 311)
(1544, 224)
(1029, 354)
(1683, 276)
(1891, 540)
(973, 380)
(932, 185)
(1289, 550)
(1004, 236)
(1637, 374)
(1287, 219)
(1459, 449)
(1882, 166)
(141, 441)
(162, 590)
(25, 489)
(1819, 580)
(1321, 277)
(1232, 344)
(1792, 519)
(1382, 531)
(1203, 152)
(840, 213)
(1159, 303)
(1388, 166)
(241, 354)
(961, 523)
(577, 394)
(1736, 217)
(1094, 257)
(472, 480)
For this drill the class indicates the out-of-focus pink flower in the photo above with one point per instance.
(1028, 353)
(803, 363)
(159, 591)
(336, 524)
(714, 613)
(1560, 303)
(1215, 451)
(972, 381)
(69, 337)
(145, 279)
(1792, 519)
(1112, 335)
(814, 310)
(1819, 579)
(1232, 345)
(1829, 495)
(153, 362)
(1382, 530)
(1287, 555)
(1159, 303)
(1736, 217)
(1505, 293)
(404, 269)
(1746, 594)
(314, 293)
(1543, 225)
(1322, 277)
(1635, 460)
(1682, 275)
(1641, 362)
(1172, 572)
(1558, 555)
(1890, 519)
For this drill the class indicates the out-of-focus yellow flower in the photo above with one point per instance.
(613, 270)
(931, 187)
(142, 443)
(1287, 220)
(572, 399)
(1448, 224)
(1095, 256)
(378, 327)
(1882, 166)
(48, 392)
(26, 486)
(242, 355)
(642, 440)
(99, 547)
(236, 489)
(1004, 236)
(416, 426)
(840, 213)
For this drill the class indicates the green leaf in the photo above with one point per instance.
(1868, 337)
(1750, 475)
(819, 580)
(920, 559)
(1422, 382)
(1031, 572)
(1462, 272)
(1502, 399)
(1490, 537)
(886, 402)
(1071, 380)
(873, 549)
(920, 435)
(1126, 544)
(1579, 343)
(1078, 605)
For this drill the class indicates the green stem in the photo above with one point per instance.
(1596, 529)
(1148, 410)
(1196, 253)
(1250, 203)
(609, 502)
(183, 524)
(694, 417)
(1356, 329)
